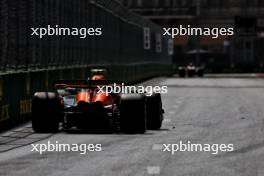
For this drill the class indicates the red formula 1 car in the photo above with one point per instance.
(79, 104)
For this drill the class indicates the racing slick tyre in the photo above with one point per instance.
(154, 112)
(133, 113)
(191, 73)
(45, 112)
(200, 72)
(181, 72)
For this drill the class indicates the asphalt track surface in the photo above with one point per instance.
(209, 110)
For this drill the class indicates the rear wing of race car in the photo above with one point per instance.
(84, 83)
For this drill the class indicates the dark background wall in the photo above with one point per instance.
(29, 64)
(240, 53)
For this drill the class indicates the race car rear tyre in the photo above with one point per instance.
(46, 110)
(191, 73)
(133, 113)
(181, 72)
(154, 112)
(200, 72)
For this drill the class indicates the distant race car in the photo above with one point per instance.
(191, 71)
(79, 104)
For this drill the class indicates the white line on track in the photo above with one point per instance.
(172, 112)
(153, 170)
(175, 106)
(178, 101)
(157, 147)
(167, 120)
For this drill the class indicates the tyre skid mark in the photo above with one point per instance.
(19, 138)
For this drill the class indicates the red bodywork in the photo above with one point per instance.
(90, 93)
(93, 96)
(98, 77)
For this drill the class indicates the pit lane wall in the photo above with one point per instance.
(130, 48)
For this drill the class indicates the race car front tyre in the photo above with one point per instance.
(154, 112)
(46, 109)
(133, 113)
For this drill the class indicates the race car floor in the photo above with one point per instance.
(200, 110)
